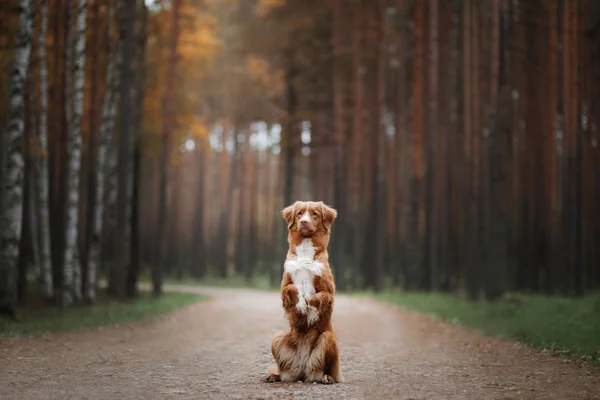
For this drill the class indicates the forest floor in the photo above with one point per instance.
(219, 349)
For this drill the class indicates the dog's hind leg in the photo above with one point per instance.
(285, 356)
(332, 367)
(323, 365)
(273, 372)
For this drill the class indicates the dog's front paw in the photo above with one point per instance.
(271, 378)
(312, 316)
(316, 267)
(301, 305)
(289, 296)
(328, 380)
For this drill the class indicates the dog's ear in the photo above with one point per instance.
(289, 214)
(328, 215)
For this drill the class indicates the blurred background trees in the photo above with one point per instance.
(458, 140)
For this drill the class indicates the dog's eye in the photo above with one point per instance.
(300, 213)
(314, 214)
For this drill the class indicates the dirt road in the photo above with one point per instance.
(219, 349)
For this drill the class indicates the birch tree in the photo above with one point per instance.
(11, 191)
(72, 268)
(41, 178)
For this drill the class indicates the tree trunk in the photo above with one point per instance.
(551, 170)
(27, 245)
(11, 192)
(199, 258)
(72, 268)
(92, 146)
(339, 127)
(26, 233)
(41, 176)
(168, 122)
(472, 149)
(101, 169)
(125, 156)
(497, 255)
(415, 213)
(451, 238)
(432, 231)
(224, 220)
(57, 146)
(401, 149)
(134, 239)
(289, 139)
(378, 199)
(141, 38)
(354, 175)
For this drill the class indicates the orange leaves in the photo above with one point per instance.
(260, 71)
(198, 41)
(258, 68)
(199, 130)
(198, 46)
(264, 7)
(189, 125)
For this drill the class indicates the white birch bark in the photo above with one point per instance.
(104, 148)
(72, 266)
(11, 200)
(41, 179)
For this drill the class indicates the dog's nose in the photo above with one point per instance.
(303, 222)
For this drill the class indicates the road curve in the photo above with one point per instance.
(219, 349)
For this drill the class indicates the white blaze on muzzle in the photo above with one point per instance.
(306, 215)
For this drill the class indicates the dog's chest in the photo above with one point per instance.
(304, 269)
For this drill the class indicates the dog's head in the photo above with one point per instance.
(309, 217)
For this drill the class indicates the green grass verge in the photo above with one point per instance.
(234, 282)
(560, 326)
(36, 319)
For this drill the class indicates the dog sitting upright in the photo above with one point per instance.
(308, 352)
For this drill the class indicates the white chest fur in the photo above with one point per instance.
(304, 268)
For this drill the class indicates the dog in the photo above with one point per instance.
(308, 352)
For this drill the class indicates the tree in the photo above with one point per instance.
(125, 153)
(141, 68)
(11, 193)
(416, 214)
(340, 135)
(71, 290)
(42, 174)
(355, 151)
(101, 168)
(497, 258)
(168, 117)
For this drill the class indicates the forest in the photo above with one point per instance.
(160, 139)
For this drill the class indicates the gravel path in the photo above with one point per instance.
(219, 349)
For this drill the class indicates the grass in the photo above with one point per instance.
(36, 320)
(560, 326)
(234, 282)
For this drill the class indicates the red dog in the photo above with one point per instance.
(309, 351)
